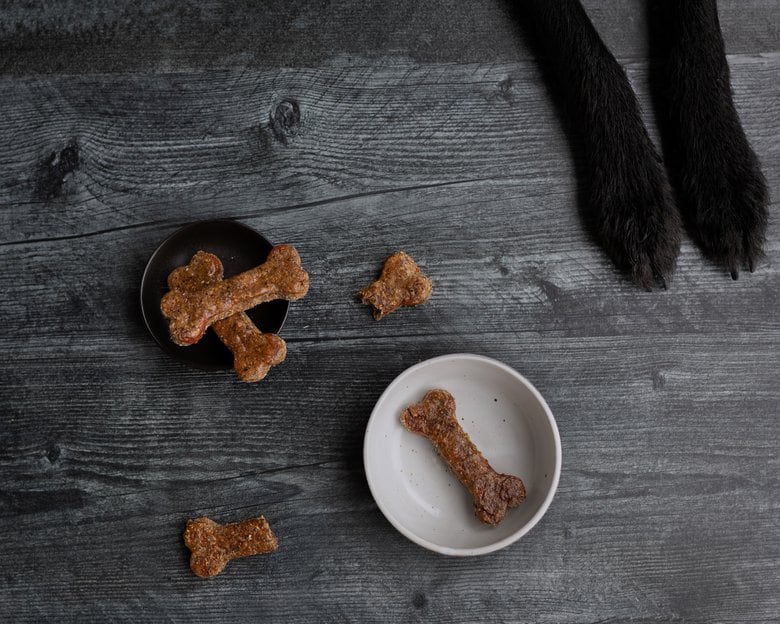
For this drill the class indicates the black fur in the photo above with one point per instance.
(628, 198)
(721, 191)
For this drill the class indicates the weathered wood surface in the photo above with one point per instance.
(110, 35)
(432, 133)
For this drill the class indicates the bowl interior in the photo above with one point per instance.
(239, 248)
(507, 420)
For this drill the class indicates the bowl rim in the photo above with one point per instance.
(166, 345)
(510, 539)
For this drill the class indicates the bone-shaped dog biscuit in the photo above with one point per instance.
(493, 492)
(401, 283)
(189, 315)
(254, 352)
(214, 545)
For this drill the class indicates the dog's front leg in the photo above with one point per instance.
(722, 192)
(628, 198)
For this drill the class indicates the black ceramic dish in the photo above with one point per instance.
(240, 248)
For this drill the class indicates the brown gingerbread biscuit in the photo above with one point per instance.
(189, 315)
(214, 545)
(493, 492)
(401, 283)
(254, 352)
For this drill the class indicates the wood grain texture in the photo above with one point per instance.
(158, 149)
(365, 142)
(127, 35)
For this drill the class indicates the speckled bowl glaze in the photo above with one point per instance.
(507, 419)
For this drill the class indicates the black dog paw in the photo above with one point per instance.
(626, 201)
(634, 217)
(724, 197)
(720, 188)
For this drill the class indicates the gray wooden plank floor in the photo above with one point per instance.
(425, 128)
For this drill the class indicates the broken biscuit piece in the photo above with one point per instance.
(189, 315)
(493, 492)
(214, 545)
(401, 283)
(254, 353)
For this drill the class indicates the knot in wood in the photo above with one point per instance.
(285, 120)
(51, 171)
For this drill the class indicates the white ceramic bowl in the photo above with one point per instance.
(507, 419)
